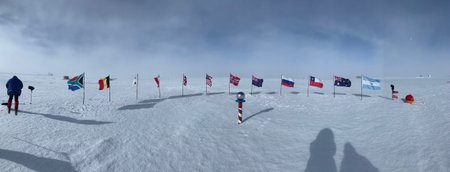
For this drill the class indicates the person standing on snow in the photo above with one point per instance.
(14, 86)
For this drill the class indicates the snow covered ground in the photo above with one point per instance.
(291, 132)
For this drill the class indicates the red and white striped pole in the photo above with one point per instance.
(240, 100)
(240, 113)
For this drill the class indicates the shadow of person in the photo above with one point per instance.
(322, 151)
(36, 163)
(353, 162)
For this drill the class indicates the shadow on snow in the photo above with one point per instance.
(323, 149)
(69, 119)
(258, 113)
(36, 163)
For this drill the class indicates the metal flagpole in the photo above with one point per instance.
(229, 85)
(307, 94)
(109, 85)
(137, 86)
(281, 84)
(84, 86)
(334, 86)
(361, 86)
(159, 88)
(206, 85)
(251, 88)
(182, 86)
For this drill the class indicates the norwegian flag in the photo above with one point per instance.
(234, 80)
(208, 80)
(184, 80)
(157, 81)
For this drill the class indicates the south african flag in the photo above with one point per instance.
(76, 82)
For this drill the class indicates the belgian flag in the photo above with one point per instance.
(103, 83)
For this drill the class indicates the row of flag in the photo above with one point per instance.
(77, 82)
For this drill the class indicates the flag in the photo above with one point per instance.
(257, 82)
(157, 81)
(103, 83)
(288, 82)
(394, 95)
(371, 84)
(76, 82)
(208, 80)
(342, 82)
(315, 82)
(234, 80)
(184, 80)
(135, 82)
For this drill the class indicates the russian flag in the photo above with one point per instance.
(288, 82)
(315, 82)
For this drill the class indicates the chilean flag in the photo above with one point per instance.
(315, 82)
(288, 82)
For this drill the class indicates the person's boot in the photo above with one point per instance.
(16, 106)
(9, 106)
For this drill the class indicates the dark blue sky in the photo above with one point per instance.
(269, 38)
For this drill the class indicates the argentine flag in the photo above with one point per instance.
(371, 84)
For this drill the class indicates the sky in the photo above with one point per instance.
(267, 38)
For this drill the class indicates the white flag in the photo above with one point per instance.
(134, 82)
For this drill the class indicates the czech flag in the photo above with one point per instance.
(315, 82)
(103, 83)
(288, 82)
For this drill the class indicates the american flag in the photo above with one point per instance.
(184, 80)
(234, 80)
(208, 80)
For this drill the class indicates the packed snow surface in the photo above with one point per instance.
(198, 132)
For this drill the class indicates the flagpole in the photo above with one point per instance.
(281, 84)
(308, 86)
(361, 86)
(182, 86)
(334, 87)
(84, 86)
(109, 80)
(206, 86)
(137, 85)
(251, 88)
(229, 84)
(159, 88)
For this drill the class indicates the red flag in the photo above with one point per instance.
(157, 81)
(315, 82)
(208, 80)
(184, 80)
(234, 80)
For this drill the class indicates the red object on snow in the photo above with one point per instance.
(409, 99)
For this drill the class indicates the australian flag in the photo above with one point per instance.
(257, 82)
(342, 82)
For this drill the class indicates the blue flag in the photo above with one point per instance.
(257, 82)
(371, 84)
(342, 82)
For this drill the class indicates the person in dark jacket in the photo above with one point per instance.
(14, 86)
